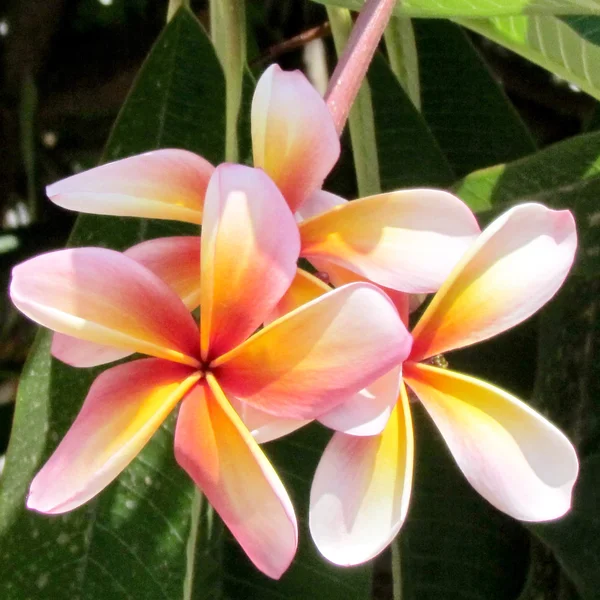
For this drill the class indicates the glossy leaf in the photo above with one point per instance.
(548, 42)
(133, 541)
(480, 8)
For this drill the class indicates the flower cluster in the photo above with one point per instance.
(277, 347)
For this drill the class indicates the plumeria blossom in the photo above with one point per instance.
(296, 368)
(515, 458)
(406, 240)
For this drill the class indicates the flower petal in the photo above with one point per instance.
(317, 203)
(304, 288)
(123, 408)
(263, 426)
(293, 135)
(368, 411)
(510, 454)
(339, 276)
(514, 268)
(304, 364)
(101, 296)
(220, 455)
(175, 260)
(361, 490)
(250, 245)
(407, 240)
(164, 184)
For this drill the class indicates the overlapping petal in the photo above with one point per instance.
(361, 490)
(510, 454)
(175, 260)
(304, 288)
(123, 408)
(164, 184)
(517, 264)
(317, 203)
(250, 245)
(293, 135)
(304, 364)
(366, 412)
(220, 455)
(263, 426)
(407, 240)
(101, 296)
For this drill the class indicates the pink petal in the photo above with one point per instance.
(219, 454)
(123, 409)
(101, 296)
(164, 184)
(406, 240)
(293, 135)
(514, 268)
(317, 203)
(250, 246)
(368, 411)
(304, 364)
(304, 288)
(510, 454)
(175, 260)
(361, 490)
(263, 426)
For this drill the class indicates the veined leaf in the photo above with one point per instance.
(133, 540)
(587, 26)
(481, 8)
(548, 42)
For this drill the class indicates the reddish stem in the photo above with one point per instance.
(352, 66)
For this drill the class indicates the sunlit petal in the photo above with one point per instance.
(175, 260)
(407, 240)
(218, 452)
(510, 454)
(317, 203)
(512, 270)
(304, 288)
(368, 411)
(304, 364)
(361, 490)
(263, 426)
(102, 296)
(123, 408)
(250, 246)
(164, 184)
(293, 135)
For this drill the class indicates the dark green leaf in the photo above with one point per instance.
(588, 27)
(409, 155)
(473, 121)
(132, 541)
(560, 165)
(454, 545)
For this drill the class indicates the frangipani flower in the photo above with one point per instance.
(297, 367)
(406, 240)
(511, 455)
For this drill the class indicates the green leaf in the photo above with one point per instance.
(454, 545)
(480, 8)
(548, 42)
(409, 155)
(588, 27)
(132, 541)
(469, 114)
(567, 390)
(295, 457)
(562, 164)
